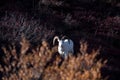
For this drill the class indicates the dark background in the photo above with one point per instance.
(96, 21)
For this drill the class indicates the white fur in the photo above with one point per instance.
(65, 47)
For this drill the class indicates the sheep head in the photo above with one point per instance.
(58, 39)
(65, 45)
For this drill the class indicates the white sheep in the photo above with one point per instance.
(65, 46)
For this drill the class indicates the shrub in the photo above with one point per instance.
(14, 24)
(44, 63)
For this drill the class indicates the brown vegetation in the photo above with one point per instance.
(44, 63)
(95, 21)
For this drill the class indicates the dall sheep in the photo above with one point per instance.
(65, 46)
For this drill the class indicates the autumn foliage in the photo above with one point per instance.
(32, 57)
(44, 63)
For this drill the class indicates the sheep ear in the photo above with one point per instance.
(55, 38)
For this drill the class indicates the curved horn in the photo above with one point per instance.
(55, 38)
(64, 37)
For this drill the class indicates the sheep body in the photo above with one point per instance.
(65, 47)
